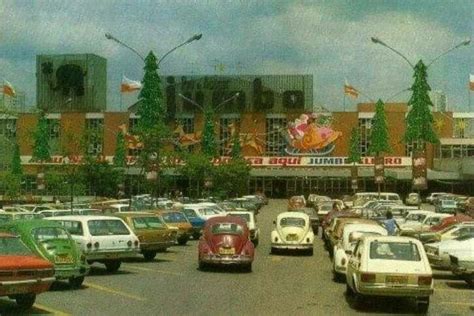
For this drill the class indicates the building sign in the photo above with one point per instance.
(311, 135)
(255, 161)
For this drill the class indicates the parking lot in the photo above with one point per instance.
(281, 284)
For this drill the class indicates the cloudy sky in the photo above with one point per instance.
(329, 39)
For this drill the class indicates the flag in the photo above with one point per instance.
(128, 85)
(8, 88)
(471, 82)
(351, 91)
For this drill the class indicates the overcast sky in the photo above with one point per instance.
(328, 39)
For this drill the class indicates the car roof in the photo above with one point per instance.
(24, 224)
(292, 214)
(134, 214)
(239, 212)
(420, 212)
(392, 239)
(226, 219)
(6, 235)
(82, 217)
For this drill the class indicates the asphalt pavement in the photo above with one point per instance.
(284, 284)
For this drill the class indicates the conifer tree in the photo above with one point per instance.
(41, 150)
(419, 121)
(355, 154)
(120, 151)
(379, 135)
(16, 168)
(236, 147)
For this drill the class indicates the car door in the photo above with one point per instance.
(354, 262)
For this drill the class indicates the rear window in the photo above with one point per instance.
(292, 221)
(73, 227)
(13, 246)
(174, 217)
(48, 233)
(402, 251)
(151, 222)
(107, 227)
(241, 215)
(227, 228)
(393, 198)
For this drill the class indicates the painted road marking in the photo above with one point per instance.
(153, 270)
(113, 291)
(457, 303)
(276, 259)
(51, 310)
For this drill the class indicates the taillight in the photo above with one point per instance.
(308, 240)
(129, 243)
(276, 239)
(96, 244)
(89, 245)
(140, 238)
(343, 262)
(425, 280)
(367, 278)
(136, 243)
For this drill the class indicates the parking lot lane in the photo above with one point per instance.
(113, 291)
(153, 270)
(42, 308)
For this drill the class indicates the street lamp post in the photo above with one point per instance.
(424, 133)
(196, 37)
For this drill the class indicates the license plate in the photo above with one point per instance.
(63, 259)
(226, 251)
(111, 255)
(292, 237)
(396, 279)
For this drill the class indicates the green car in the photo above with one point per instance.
(52, 242)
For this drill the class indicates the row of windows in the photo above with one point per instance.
(456, 151)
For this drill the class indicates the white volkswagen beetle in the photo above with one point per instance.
(390, 266)
(344, 247)
(292, 231)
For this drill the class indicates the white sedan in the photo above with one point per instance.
(390, 266)
(251, 223)
(412, 227)
(292, 232)
(344, 247)
(439, 252)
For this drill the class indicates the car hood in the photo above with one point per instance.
(23, 262)
(397, 266)
(292, 230)
(226, 241)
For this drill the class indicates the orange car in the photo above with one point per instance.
(179, 220)
(296, 202)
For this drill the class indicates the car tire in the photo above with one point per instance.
(149, 255)
(76, 282)
(182, 241)
(359, 300)
(255, 242)
(113, 266)
(349, 291)
(423, 304)
(469, 280)
(273, 251)
(196, 236)
(337, 277)
(25, 301)
(310, 252)
(248, 267)
(202, 265)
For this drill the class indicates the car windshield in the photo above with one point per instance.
(292, 221)
(174, 217)
(325, 207)
(415, 217)
(106, 227)
(13, 246)
(48, 233)
(403, 251)
(449, 203)
(227, 228)
(465, 236)
(241, 215)
(150, 222)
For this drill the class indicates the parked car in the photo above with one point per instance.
(196, 222)
(51, 213)
(334, 232)
(451, 220)
(413, 228)
(413, 199)
(436, 231)
(152, 232)
(296, 202)
(203, 211)
(433, 196)
(389, 266)
(35, 207)
(11, 216)
(344, 247)
(439, 252)
(468, 206)
(179, 220)
(323, 209)
(413, 217)
(103, 239)
(446, 206)
(251, 220)
(52, 242)
(448, 233)
(23, 274)
(463, 266)
(292, 232)
(258, 200)
(226, 241)
(245, 204)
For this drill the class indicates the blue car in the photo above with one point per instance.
(196, 222)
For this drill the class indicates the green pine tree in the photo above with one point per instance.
(419, 120)
(209, 146)
(355, 155)
(41, 150)
(236, 147)
(16, 169)
(120, 151)
(379, 134)
(151, 109)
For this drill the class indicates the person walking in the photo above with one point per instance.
(390, 224)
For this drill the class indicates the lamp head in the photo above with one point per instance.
(196, 37)
(108, 36)
(375, 40)
(466, 42)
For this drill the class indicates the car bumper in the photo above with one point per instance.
(395, 290)
(340, 269)
(439, 261)
(293, 246)
(25, 286)
(111, 255)
(156, 246)
(64, 273)
(226, 260)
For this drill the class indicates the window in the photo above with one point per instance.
(402, 251)
(292, 221)
(132, 125)
(53, 135)
(151, 222)
(95, 135)
(227, 228)
(463, 127)
(190, 213)
(365, 127)
(44, 234)
(107, 227)
(8, 128)
(73, 227)
(227, 126)
(275, 141)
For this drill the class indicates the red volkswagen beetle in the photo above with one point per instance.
(225, 241)
(22, 274)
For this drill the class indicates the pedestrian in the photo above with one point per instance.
(336, 207)
(390, 224)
